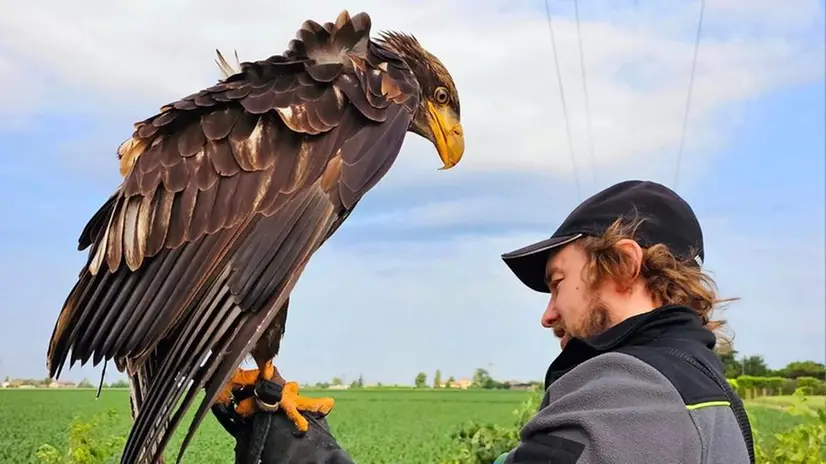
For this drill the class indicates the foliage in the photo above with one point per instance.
(482, 379)
(421, 380)
(803, 369)
(84, 445)
(733, 384)
(483, 443)
(802, 444)
(750, 387)
(756, 366)
(437, 379)
(85, 383)
(358, 383)
(735, 365)
(808, 384)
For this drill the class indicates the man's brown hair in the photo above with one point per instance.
(671, 281)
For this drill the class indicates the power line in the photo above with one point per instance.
(562, 97)
(690, 88)
(635, 112)
(585, 90)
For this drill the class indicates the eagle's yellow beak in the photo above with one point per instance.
(447, 134)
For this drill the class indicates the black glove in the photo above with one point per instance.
(272, 438)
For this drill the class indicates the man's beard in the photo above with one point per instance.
(597, 321)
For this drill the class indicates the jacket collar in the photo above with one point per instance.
(670, 321)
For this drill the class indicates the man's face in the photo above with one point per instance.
(574, 310)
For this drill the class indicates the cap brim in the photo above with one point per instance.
(528, 263)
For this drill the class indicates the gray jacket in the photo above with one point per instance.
(640, 393)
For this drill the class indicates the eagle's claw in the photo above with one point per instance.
(292, 403)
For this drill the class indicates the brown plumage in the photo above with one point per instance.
(226, 195)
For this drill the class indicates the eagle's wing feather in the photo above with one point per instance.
(226, 195)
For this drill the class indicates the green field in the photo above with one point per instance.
(376, 426)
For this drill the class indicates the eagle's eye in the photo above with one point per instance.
(441, 95)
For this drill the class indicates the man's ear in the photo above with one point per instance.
(633, 253)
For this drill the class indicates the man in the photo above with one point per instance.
(637, 380)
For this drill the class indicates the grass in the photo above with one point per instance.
(773, 415)
(770, 420)
(376, 426)
(770, 415)
(783, 402)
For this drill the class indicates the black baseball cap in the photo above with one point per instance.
(666, 218)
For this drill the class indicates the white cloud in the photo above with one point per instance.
(148, 53)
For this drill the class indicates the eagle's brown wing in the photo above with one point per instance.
(227, 193)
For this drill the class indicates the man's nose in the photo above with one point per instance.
(550, 316)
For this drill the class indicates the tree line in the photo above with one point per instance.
(751, 377)
(756, 366)
(481, 379)
(751, 374)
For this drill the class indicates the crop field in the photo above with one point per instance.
(375, 426)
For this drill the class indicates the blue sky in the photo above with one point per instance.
(413, 282)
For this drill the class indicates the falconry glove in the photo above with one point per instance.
(272, 437)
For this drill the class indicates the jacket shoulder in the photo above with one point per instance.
(611, 408)
(691, 383)
(705, 400)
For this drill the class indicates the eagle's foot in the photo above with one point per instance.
(271, 396)
(292, 404)
(245, 378)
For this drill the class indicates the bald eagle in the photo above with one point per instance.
(226, 195)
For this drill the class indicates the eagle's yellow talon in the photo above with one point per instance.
(292, 403)
(241, 378)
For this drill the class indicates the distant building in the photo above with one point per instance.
(62, 384)
(19, 383)
(463, 384)
(36, 383)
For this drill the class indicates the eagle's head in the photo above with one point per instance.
(439, 113)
